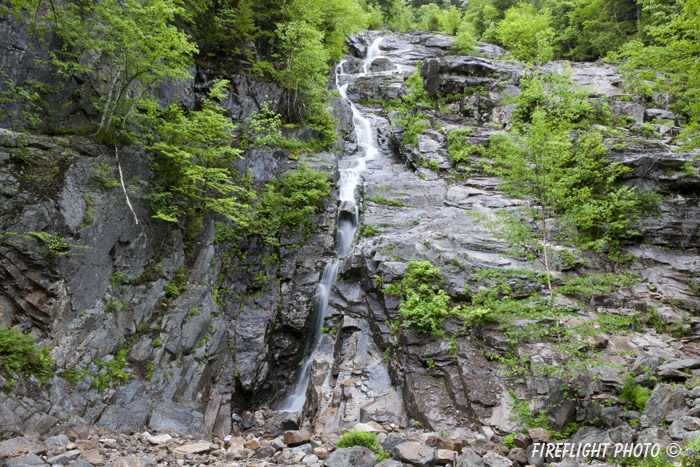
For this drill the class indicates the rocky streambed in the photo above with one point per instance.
(202, 385)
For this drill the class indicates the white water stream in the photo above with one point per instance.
(346, 226)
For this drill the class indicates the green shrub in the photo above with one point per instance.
(425, 312)
(193, 160)
(465, 42)
(691, 454)
(425, 305)
(381, 199)
(508, 440)
(368, 440)
(633, 394)
(289, 202)
(370, 231)
(20, 357)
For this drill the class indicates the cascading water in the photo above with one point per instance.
(346, 225)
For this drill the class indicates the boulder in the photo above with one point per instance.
(443, 42)
(445, 456)
(682, 425)
(30, 460)
(538, 435)
(352, 457)
(296, 438)
(469, 458)
(321, 453)
(518, 456)
(381, 64)
(659, 114)
(628, 109)
(561, 410)
(193, 448)
(664, 399)
(415, 453)
(492, 459)
(58, 440)
(522, 441)
(684, 364)
(15, 447)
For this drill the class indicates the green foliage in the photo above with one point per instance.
(416, 93)
(425, 305)
(138, 45)
(459, 151)
(670, 44)
(262, 129)
(566, 177)
(412, 125)
(381, 199)
(178, 285)
(111, 372)
(523, 416)
(465, 42)
(103, 175)
(526, 33)
(369, 230)
(564, 105)
(425, 311)
(194, 157)
(20, 105)
(364, 439)
(633, 394)
(508, 440)
(289, 203)
(411, 121)
(691, 454)
(55, 245)
(305, 61)
(20, 357)
(512, 298)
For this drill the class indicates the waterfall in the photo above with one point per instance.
(346, 227)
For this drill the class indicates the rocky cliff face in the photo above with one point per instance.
(206, 332)
(369, 370)
(211, 333)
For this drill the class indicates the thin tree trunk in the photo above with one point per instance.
(121, 180)
(101, 127)
(546, 257)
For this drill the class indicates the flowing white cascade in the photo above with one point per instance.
(346, 226)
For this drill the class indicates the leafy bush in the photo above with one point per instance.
(425, 311)
(368, 440)
(508, 440)
(409, 119)
(633, 394)
(425, 305)
(465, 42)
(370, 231)
(20, 357)
(289, 202)
(262, 129)
(458, 150)
(691, 454)
(564, 105)
(551, 159)
(194, 154)
(526, 33)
